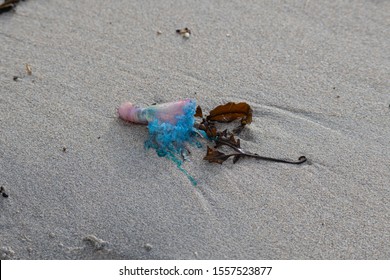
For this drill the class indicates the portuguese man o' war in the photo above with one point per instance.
(170, 125)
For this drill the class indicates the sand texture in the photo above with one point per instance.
(82, 186)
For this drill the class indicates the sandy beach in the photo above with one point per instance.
(81, 185)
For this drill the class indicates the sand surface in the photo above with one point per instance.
(316, 74)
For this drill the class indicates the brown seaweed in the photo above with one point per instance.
(231, 111)
(8, 5)
(228, 113)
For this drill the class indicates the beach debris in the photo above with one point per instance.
(230, 112)
(185, 32)
(227, 113)
(97, 243)
(64, 149)
(28, 69)
(172, 125)
(2, 191)
(8, 5)
(213, 155)
(159, 32)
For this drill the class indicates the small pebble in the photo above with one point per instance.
(148, 247)
(185, 32)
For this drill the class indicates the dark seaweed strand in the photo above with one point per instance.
(301, 159)
(241, 152)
